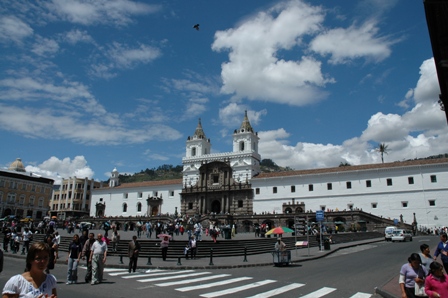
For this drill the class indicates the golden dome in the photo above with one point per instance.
(17, 166)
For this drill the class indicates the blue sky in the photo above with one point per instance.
(86, 86)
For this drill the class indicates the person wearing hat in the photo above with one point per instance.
(280, 249)
(280, 245)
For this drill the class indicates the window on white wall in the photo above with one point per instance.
(374, 205)
(140, 195)
(433, 179)
(410, 180)
(404, 204)
(432, 202)
(368, 183)
(329, 186)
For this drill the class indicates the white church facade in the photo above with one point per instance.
(233, 183)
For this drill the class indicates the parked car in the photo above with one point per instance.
(402, 235)
(388, 232)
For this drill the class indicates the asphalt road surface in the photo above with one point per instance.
(353, 272)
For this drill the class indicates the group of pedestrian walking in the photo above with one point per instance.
(422, 275)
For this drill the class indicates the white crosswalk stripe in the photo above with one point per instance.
(213, 284)
(278, 291)
(191, 280)
(160, 273)
(361, 295)
(171, 277)
(319, 293)
(238, 289)
(205, 280)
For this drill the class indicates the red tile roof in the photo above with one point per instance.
(355, 168)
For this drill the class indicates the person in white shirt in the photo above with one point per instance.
(27, 236)
(98, 255)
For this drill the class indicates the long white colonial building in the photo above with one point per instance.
(231, 183)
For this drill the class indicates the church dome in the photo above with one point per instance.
(17, 166)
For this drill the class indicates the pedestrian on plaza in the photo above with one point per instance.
(27, 236)
(57, 238)
(186, 250)
(436, 283)
(425, 256)
(280, 246)
(34, 282)
(17, 240)
(412, 272)
(139, 225)
(115, 239)
(6, 239)
(106, 227)
(53, 253)
(441, 250)
(164, 246)
(193, 247)
(148, 229)
(12, 243)
(133, 252)
(86, 252)
(74, 254)
(83, 238)
(213, 233)
(98, 255)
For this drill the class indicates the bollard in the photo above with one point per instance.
(245, 254)
(211, 257)
(149, 261)
(178, 262)
(121, 259)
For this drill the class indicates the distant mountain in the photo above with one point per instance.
(168, 172)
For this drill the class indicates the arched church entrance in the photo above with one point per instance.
(155, 210)
(216, 206)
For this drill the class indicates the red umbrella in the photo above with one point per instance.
(279, 230)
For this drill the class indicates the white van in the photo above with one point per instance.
(388, 232)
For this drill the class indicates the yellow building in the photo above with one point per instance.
(72, 198)
(24, 194)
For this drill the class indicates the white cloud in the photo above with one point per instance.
(68, 111)
(354, 42)
(58, 169)
(125, 57)
(13, 29)
(418, 133)
(255, 71)
(86, 12)
(45, 47)
(76, 36)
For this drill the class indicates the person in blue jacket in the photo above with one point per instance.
(442, 250)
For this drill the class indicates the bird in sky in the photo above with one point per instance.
(196, 26)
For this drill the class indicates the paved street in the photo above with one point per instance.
(350, 272)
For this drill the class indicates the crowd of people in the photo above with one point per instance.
(422, 275)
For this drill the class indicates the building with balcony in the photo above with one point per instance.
(72, 198)
(24, 194)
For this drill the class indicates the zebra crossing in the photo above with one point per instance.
(212, 285)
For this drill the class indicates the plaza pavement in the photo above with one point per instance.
(388, 290)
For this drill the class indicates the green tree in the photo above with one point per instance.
(382, 149)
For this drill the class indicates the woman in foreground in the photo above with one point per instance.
(34, 282)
